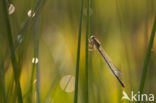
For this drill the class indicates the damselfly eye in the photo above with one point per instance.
(92, 37)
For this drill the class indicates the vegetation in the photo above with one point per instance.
(45, 54)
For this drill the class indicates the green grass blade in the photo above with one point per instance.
(35, 74)
(87, 33)
(13, 58)
(147, 57)
(78, 55)
(36, 54)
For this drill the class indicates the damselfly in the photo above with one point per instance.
(95, 43)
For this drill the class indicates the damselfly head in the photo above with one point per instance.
(94, 41)
(92, 38)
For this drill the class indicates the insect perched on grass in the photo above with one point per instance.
(94, 42)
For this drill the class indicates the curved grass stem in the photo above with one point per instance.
(147, 57)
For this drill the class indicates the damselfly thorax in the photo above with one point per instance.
(95, 43)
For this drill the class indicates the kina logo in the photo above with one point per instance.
(138, 97)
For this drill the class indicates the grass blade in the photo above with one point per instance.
(147, 57)
(87, 33)
(78, 54)
(36, 54)
(13, 58)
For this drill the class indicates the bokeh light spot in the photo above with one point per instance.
(67, 83)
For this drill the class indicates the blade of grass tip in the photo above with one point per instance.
(87, 33)
(78, 54)
(13, 58)
(147, 57)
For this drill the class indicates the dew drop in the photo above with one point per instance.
(35, 60)
(31, 13)
(67, 83)
(11, 9)
(19, 38)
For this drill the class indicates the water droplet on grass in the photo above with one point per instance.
(67, 83)
(31, 13)
(35, 60)
(19, 38)
(11, 9)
